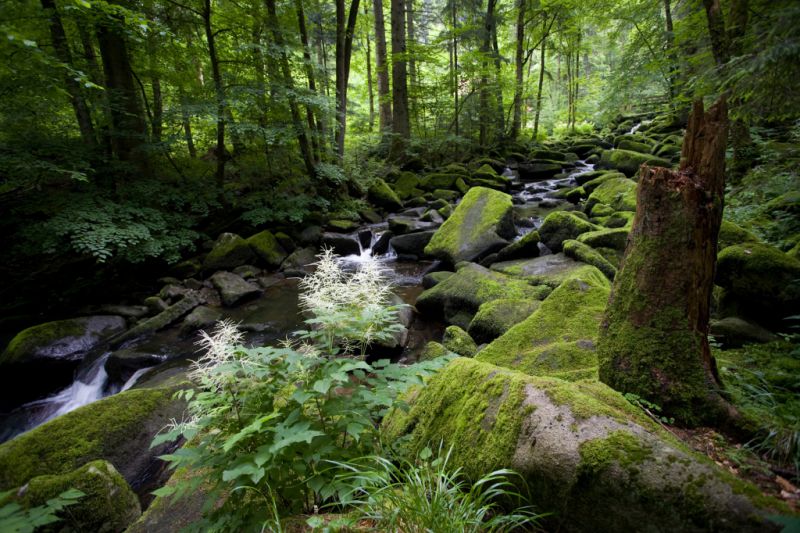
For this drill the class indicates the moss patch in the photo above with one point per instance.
(587, 254)
(458, 341)
(550, 270)
(620, 447)
(498, 316)
(618, 193)
(628, 162)
(560, 226)
(267, 248)
(229, 251)
(382, 195)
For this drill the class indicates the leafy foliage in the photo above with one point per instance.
(16, 519)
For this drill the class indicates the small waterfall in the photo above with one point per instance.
(88, 387)
(635, 128)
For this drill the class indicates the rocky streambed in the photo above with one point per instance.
(506, 260)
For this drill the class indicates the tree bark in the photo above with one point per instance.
(369, 77)
(516, 122)
(546, 31)
(128, 126)
(297, 121)
(187, 125)
(381, 65)
(313, 124)
(219, 91)
(400, 118)
(454, 22)
(344, 49)
(76, 97)
(670, 34)
(653, 340)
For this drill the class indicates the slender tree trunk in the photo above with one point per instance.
(313, 125)
(187, 125)
(673, 59)
(654, 337)
(454, 22)
(96, 76)
(219, 90)
(412, 63)
(500, 126)
(369, 78)
(76, 97)
(541, 81)
(127, 117)
(400, 118)
(516, 122)
(344, 48)
(381, 65)
(483, 105)
(157, 117)
(297, 121)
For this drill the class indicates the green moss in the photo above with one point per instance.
(498, 316)
(616, 238)
(405, 184)
(553, 155)
(438, 180)
(476, 406)
(108, 429)
(526, 246)
(550, 270)
(341, 225)
(628, 162)
(601, 210)
(109, 505)
(619, 447)
(267, 249)
(433, 350)
(458, 341)
(382, 195)
(229, 251)
(456, 168)
(618, 193)
(445, 194)
(560, 226)
(469, 288)
(485, 172)
(731, 234)
(587, 254)
(560, 336)
(481, 223)
(635, 146)
(40, 336)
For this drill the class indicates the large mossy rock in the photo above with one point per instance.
(383, 196)
(41, 359)
(229, 252)
(628, 162)
(560, 226)
(406, 185)
(550, 270)
(586, 254)
(589, 457)
(109, 505)
(559, 338)
(498, 316)
(617, 193)
(459, 341)
(763, 280)
(267, 248)
(458, 297)
(731, 234)
(481, 224)
(118, 429)
(525, 246)
(234, 289)
(616, 238)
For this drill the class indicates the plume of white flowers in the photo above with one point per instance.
(217, 348)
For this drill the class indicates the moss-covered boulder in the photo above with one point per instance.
(434, 278)
(485, 172)
(734, 332)
(412, 243)
(586, 254)
(538, 171)
(731, 234)
(118, 429)
(764, 280)
(109, 505)
(550, 270)
(525, 246)
(459, 341)
(41, 359)
(267, 249)
(591, 459)
(591, 185)
(559, 338)
(635, 146)
(458, 297)
(341, 225)
(433, 350)
(618, 193)
(405, 185)
(495, 317)
(233, 289)
(628, 162)
(229, 252)
(438, 180)
(481, 224)
(383, 196)
(548, 154)
(559, 226)
(616, 238)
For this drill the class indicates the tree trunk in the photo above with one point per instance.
(541, 81)
(516, 122)
(483, 105)
(297, 121)
(369, 78)
(653, 340)
(344, 48)
(313, 125)
(400, 119)
(64, 55)
(500, 126)
(219, 90)
(381, 65)
(454, 22)
(128, 126)
(187, 126)
(157, 117)
(673, 60)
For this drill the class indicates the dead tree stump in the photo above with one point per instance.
(653, 340)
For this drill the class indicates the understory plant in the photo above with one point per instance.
(428, 495)
(265, 423)
(14, 518)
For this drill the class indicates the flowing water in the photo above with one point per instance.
(276, 313)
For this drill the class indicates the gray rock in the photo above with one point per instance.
(233, 289)
(121, 364)
(342, 244)
(200, 318)
(229, 251)
(155, 304)
(247, 271)
(734, 332)
(412, 243)
(171, 314)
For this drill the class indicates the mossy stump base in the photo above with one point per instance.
(653, 339)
